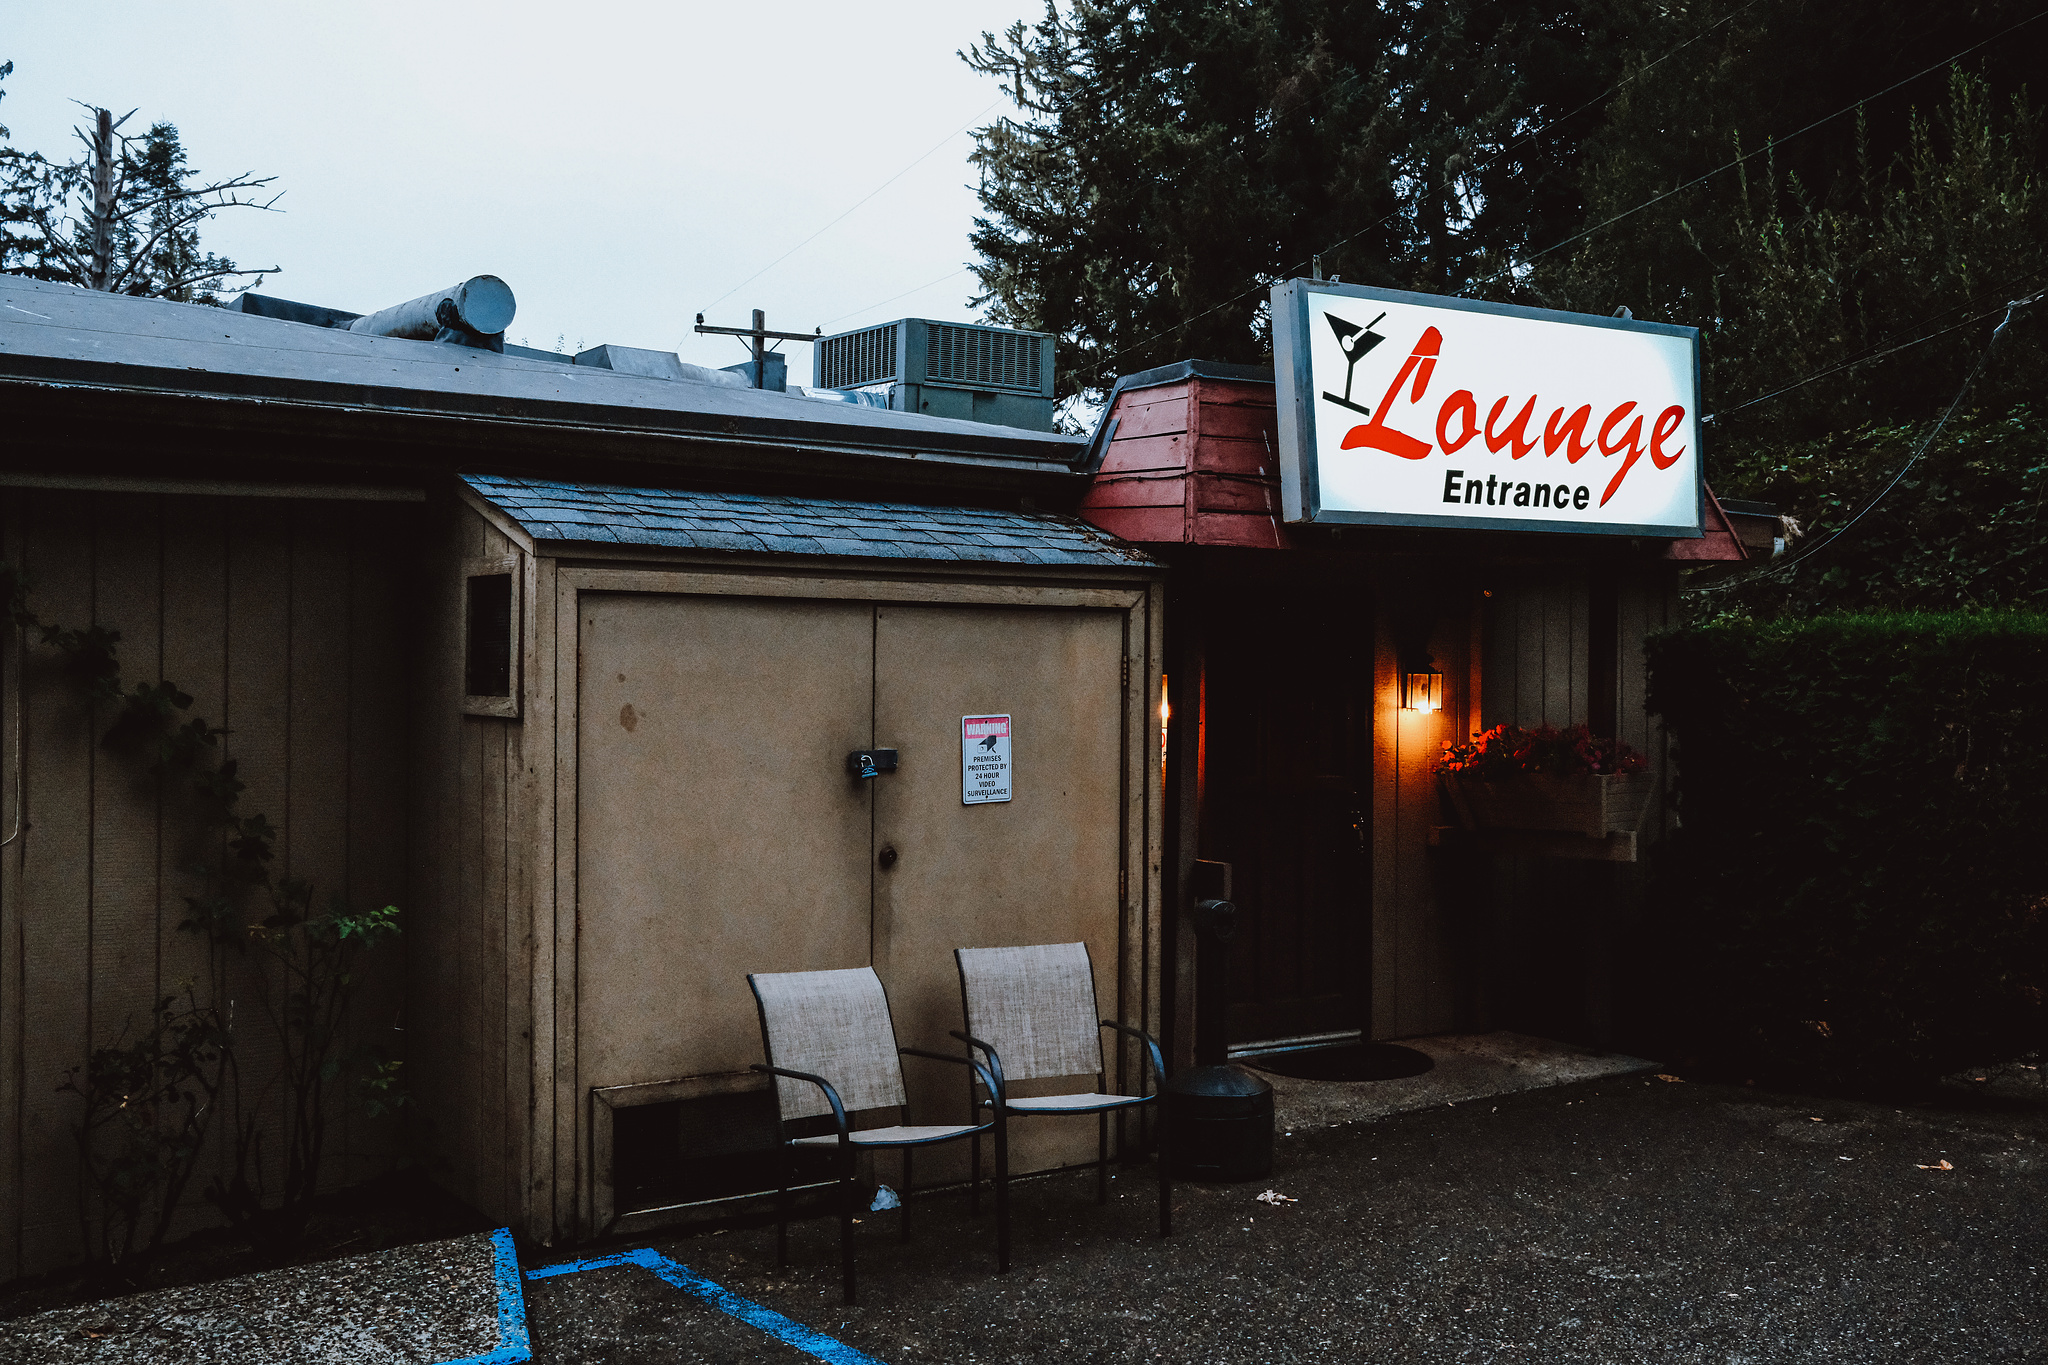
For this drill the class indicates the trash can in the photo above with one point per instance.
(1216, 1119)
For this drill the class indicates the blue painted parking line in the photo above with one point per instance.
(786, 1330)
(513, 1347)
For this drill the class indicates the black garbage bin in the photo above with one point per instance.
(1217, 1119)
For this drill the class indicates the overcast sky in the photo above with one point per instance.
(621, 166)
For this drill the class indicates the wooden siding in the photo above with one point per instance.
(1192, 463)
(1554, 924)
(1423, 950)
(283, 620)
(471, 935)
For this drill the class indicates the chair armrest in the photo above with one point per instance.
(981, 1070)
(831, 1095)
(1151, 1048)
(995, 1063)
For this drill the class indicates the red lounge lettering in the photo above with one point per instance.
(1459, 402)
(1457, 422)
(1517, 432)
(1376, 434)
(1667, 422)
(1631, 441)
(1555, 435)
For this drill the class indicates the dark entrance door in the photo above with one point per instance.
(1287, 798)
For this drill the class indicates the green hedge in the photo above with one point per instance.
(1857, 890)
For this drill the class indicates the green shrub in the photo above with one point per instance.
(1856, 894)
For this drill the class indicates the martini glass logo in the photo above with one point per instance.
(1355, 342)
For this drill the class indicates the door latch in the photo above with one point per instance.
(871, 762)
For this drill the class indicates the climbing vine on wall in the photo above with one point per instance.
(149, 1100)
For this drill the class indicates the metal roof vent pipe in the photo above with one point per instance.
(1218, 1119)
(473, 313)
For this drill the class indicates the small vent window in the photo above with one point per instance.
(858, 358)
(982, 357)
(487, 657)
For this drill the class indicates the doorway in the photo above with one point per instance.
(1287, 792)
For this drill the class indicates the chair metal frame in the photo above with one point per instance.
(848, 1147)
(1150, 1060)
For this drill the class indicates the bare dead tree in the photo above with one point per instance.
(125, 217)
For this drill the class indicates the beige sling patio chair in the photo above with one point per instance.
(831, 1047)
(1031, 1013)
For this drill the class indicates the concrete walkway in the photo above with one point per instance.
(1469, 1066)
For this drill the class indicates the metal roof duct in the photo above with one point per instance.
(476, 312)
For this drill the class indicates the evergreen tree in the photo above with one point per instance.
(1168, 163)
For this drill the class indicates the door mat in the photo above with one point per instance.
(1348, 1062)
(457, 1302)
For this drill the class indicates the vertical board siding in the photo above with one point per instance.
(126, 562)
(1553, 914)
(470, 931)
(1419, 973)
(195, 651)
(285, 632)
(12, 981)
(379, 695)
(53, 972)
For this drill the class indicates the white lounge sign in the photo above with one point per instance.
(1410, 409)
(984, 759)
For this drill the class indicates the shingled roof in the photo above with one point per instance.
(769, 524)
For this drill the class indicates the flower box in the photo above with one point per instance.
(1595, 805)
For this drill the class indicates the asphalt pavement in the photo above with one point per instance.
(1624, 1219)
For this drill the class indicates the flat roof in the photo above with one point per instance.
(58, 338)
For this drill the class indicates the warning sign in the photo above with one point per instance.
(984, 759)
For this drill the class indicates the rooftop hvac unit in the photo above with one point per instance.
(945, 369)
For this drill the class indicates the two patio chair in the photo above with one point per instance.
(1030, 1012)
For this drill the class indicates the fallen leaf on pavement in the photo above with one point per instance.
(1663, 1077)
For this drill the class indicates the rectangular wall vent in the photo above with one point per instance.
(858, 358)
(487, 661)
(982, 357)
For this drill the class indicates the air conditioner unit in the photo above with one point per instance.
(944, 369)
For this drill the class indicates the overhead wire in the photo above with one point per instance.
(1519, 143)
(1626, 213)
(1926, 443)
(850, 211)
(1856, 363)
(1768, 145)
(904, 295)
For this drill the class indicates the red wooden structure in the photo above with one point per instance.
(1192, 460)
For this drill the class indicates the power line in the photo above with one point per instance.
(1487, 164)
(2026, 281)
(1626, 213)
(849, 212)
(1767, 146)
(904, 295)
(1982, 359)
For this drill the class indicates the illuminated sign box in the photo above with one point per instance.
(1401, 409)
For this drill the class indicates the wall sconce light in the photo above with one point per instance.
(1422, 691)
